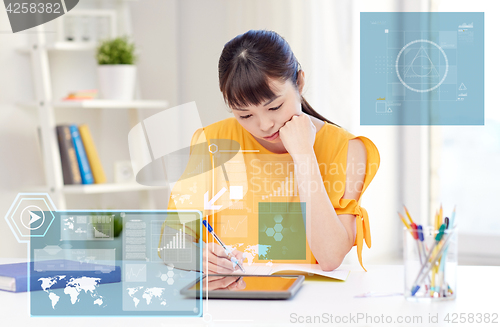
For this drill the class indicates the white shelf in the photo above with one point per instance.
(104, 104)
(39, 52)
(63, 46)
(98, 188)
(108, 188)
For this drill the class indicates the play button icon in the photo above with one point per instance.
(32, 217)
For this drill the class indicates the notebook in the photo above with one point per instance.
(311, 269)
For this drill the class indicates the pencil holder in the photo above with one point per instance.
(430, 263)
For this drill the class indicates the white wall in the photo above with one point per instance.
(19, 153)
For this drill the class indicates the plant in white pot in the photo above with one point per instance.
(117, 70)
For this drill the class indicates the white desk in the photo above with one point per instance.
(477, 292)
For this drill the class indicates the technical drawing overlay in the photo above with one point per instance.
(422, 69)
(149, 284)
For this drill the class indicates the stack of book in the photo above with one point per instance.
(79, 158)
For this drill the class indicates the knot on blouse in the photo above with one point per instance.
(351, 206)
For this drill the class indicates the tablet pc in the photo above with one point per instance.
(245, 287)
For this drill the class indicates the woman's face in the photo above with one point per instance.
(265, 120)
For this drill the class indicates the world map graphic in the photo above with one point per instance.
(148, 294)
(73, 288)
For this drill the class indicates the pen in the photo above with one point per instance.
(435, 268)
(440, 266)
(436, 225)
(413, 230)
(417, 233)
(421, 239)
(211, 231)
(416, 285)
(444, 287)
(416, 236)
(430, 260)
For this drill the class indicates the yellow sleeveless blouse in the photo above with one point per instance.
(250, 194)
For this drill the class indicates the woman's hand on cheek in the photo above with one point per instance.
(298, 135)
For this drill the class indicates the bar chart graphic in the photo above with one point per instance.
(178, 240)
(173, 245)
(102, 226)
(101, 234)
(87, 227)
(287, 187)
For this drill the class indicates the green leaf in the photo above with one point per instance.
(118, 51)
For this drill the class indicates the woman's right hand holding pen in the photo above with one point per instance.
(219, 262)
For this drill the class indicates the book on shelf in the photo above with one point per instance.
(81, 155)
(52, 274)
(92, 155)
(80, 161)
(69, 161)
(81, 95)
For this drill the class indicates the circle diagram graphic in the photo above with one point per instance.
(32, 217)
(421, 66)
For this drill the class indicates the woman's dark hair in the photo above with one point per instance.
(249, 60)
